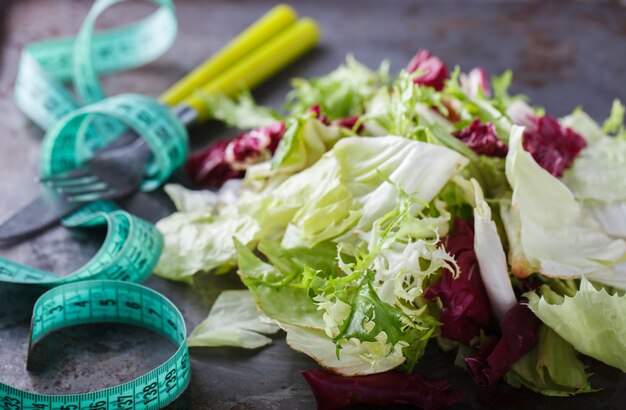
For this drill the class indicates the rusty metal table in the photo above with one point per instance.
(563, 54)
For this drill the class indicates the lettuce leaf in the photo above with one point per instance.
(241, 112)
(520, 265)
(615, 123)
(370, 316)
(551, 368)
(593, 322)
(305, 141)
(584, 125)
(491, 258)
(419, 169)
(598, 172)
(559, 239)
(596, 178)
(200, 241)
(353, 185)
(286, 304)
(233, 321)
(356, 358)
(341, 93)
(205, 201)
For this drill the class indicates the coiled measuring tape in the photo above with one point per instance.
(75, 133)
(129, 252)
(132, 246)
(104, 302)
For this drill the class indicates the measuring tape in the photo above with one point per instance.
(105, 302)
(130, 251)
(75, 133)
(132, 246)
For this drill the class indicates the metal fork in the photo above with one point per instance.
(114, 171)
(109, 174)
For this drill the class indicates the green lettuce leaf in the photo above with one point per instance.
(353, 185)
(356, 358)
(201, 241)
(370, 316)
(583, 124)
(233, 321)
(597, 174)
(615, 123)
(419, 169)
(203, 201)
(491, 258)
(304, 142)
(516, 257)
(241, 112)
(322, 256)
(596, 177)
(341, 93)
(551, 368)
(593, 322)
(558, 237)
(270, 288)
(373, 321)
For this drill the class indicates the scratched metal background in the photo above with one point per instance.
(563, 55)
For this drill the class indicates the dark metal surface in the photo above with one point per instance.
(563, 55)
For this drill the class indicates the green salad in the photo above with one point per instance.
(383, 213)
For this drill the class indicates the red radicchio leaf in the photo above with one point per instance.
(333, 391)
(224, 160)
(465, 306)
(552, 145)
(432, 71)
(346, 122)
(209, 167)
(520, 334)
(482, 139)
(349, 122)
(316, 110)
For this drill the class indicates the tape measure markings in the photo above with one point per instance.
(130, 251)
(109, 301)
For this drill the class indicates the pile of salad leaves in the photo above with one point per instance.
(381, 214)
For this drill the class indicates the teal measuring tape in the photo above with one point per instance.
(130, 251)
(104, 302)
(74, 133)
(76, 128)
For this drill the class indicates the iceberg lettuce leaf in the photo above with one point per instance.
(592, 321)
(233, 321)
(491, 258)
(559, 239)
(202, 241)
